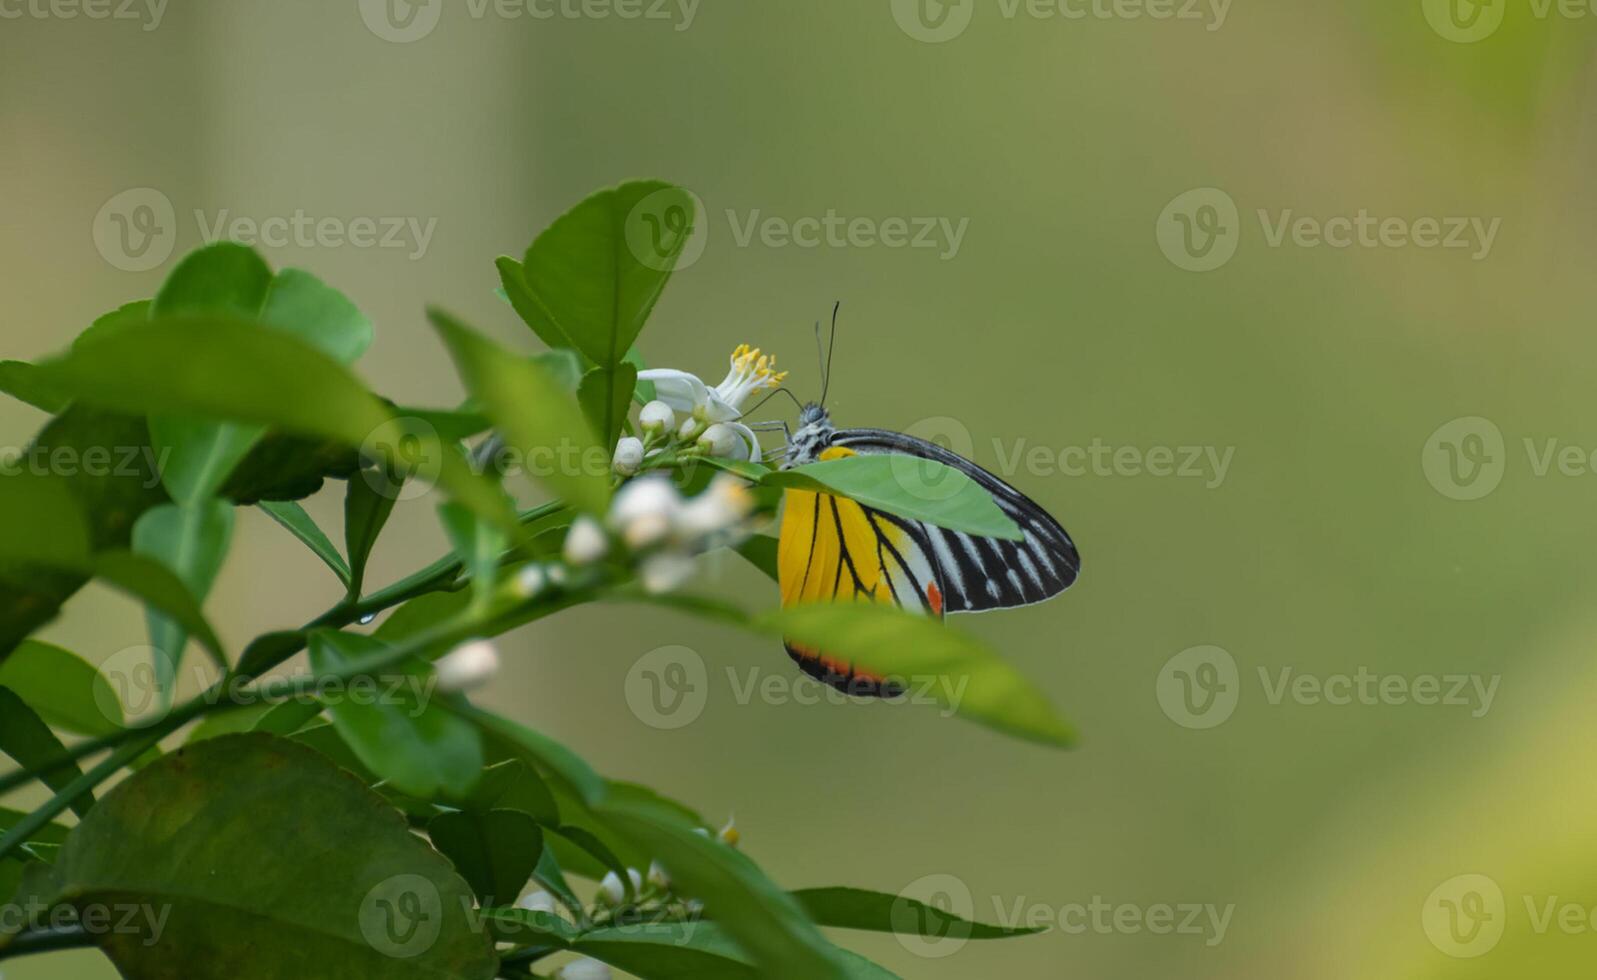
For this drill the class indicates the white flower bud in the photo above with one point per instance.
(584, 969)
(722, 506)
(628, 456)
(612, 892)
(468, 666)
(729, 834)
(690, 429)
(540, 901)
(645, 510)
(658, 877)
(665, 571)
(585, 542)
(720, 439)
(530, 581)
(657, 417)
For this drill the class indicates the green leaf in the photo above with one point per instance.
(671, 951)
(495, 851)
(222, 278)
(643, 391)
(63, 688)
(586, 277)
(41, 522)
(890, 642)
(267, 651)
(514, 785)
(192, 541)
(216, 367)
(919, 489)
(521, 300)
(300, 304)
(128, 316)
(855, 908)
(764, 920)
(26, 738)
(297, 522)
(537, 417)
(549, 875)
(398, 732)
(347, 891)
(525, 927)
(564, 365)
(158, 587)
(50, 833)
(479, 546)
(21, 381)
(591, 845)
(367, 508)
(606, 394)
(761, 552)
(544, 753)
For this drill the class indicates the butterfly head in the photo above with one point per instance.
(815, 431)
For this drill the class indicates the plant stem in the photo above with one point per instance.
(47, 941)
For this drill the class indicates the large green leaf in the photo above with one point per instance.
(495, 850)
(594, 275)
(26, 738)
(535, 414)
(215, 366)
(270, 864)
(764, 920)
(670, 951)
(367, 506)
(543, 753)
(192, 541)
(399, 732)
(909, 486)
(63, 688)
(928, 659)
(856, 908)
(297, 522)
(21, 381)
(606, 395)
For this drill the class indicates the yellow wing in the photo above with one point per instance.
(834, 549)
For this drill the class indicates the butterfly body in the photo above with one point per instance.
(834, 549)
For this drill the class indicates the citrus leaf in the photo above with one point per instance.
(192, 541)
(26, 738)
(63, 688)
(495, 851)
(856, 908)
(301, 525)
(908, 486)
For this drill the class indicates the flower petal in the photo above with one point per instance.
(684, 392)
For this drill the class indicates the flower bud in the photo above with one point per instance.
(529, 581)
(539, 901)
(658, 877)
(584, 969)
(690, 429)
(665, 571)
(612, 892)
(657, 417)
(585, 542)
(645, 510)
(468, 666)
(628, 456)
(729, 834)
(720, 439)
(722, 506)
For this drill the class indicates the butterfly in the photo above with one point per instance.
(834, 549)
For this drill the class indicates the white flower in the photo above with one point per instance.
(751, 373)
(585, 542)
(613, 893)
(721, 507)
(657, 417)
(628, 456)
(665, 571)
(645, 510)
(730, 440)
(584, 969)
(540, 901)
(658, 877)
(530, 581)
(468, 666)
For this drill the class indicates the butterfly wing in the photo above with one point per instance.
(977, 573)
(834, 549)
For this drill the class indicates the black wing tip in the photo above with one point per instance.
(856, 685)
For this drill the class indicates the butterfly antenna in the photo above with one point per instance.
(779, 391)
(831, 348)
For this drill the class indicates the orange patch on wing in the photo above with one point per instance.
(934, 598)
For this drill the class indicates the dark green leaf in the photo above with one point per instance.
(63, 688)
(514, 785)
(761, 551)
(535, 415)
(521, 300)
(26, 738)
(300, 524)
(544, 753)
(671, 951)
(854, 908)
(324, 738)
(594, 275)
(643, 392)
(367, 508)
(925, 656)
(41, 522)
(398, 732)
(369, 899)
(495, 851)
(549, 875)
(919, 489)
(192, 541)
(50, 833)
(266, 652)
(479, 546)
(21, 381)
(606, 394)
(528, 928)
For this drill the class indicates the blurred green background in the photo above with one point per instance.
(1333, 543)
